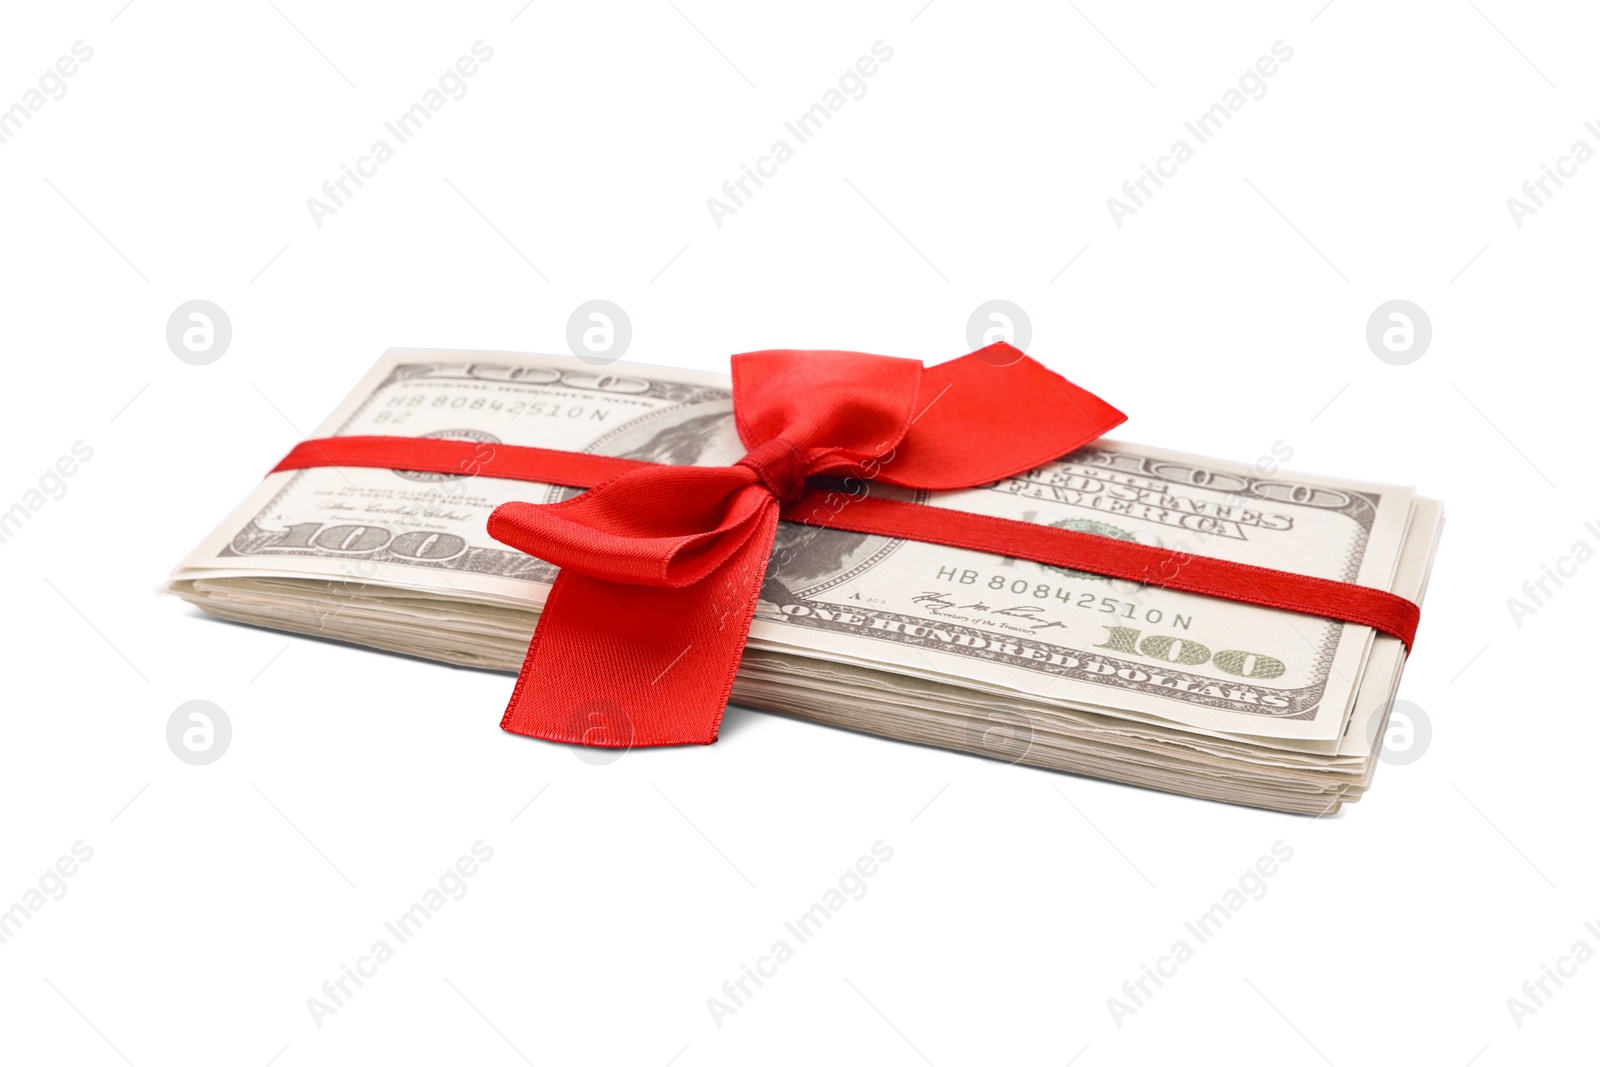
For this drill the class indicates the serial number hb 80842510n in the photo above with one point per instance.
(399, 408)
(1086, 600)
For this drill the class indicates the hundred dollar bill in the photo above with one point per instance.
(401, 559)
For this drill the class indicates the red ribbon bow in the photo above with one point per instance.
(661, 567)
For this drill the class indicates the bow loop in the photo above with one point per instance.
(991, 414)
(848, 402)
(661, 526)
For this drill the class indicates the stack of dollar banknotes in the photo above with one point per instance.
(1001, 657)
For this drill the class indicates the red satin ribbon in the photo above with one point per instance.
(661, 566)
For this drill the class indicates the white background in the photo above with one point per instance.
(1226, 315)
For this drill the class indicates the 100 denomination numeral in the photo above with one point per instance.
(355, 540)
(1180, 651)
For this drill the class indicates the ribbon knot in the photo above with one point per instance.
(779, 466)
(662, 567)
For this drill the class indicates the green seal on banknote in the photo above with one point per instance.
(1088, 526)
